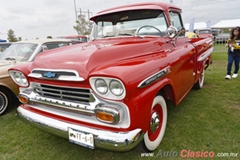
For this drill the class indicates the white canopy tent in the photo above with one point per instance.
(197, 25)
(231, 23)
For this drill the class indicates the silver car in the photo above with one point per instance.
(222, 38)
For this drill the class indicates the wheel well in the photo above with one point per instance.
(13, 100)
(8, 90)
(207, 63)
(167, 92)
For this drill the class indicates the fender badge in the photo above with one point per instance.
(154, 77)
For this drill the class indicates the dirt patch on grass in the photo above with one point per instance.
(235, 106)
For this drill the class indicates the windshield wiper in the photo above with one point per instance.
(125, 34)
(120, 34)
(108, 36)
(10, 59)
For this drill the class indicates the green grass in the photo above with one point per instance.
(207, 119)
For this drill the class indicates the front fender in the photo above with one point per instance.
(140, 101)
(7, 82)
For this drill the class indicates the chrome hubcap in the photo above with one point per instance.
(155, 122)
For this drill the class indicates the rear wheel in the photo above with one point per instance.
(158, 122)
(199, 83)
(4, 100)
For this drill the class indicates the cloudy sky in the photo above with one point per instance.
(31, 19)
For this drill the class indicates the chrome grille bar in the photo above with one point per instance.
(64, 93)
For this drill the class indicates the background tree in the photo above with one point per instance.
(83, 26)
(49, 37)
(11, 36)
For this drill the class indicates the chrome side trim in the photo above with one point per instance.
(104, 139)
(205, 54)
(154, 77)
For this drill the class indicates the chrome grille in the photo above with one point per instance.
(65, 93)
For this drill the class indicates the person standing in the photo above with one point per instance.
(233, 45)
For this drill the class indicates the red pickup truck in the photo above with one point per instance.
(111, 91)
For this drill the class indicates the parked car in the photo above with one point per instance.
(191, 35)
(4, 46)
(222, 38)
(18, 53)
(81, 38)
(205, 32)
(111, 91)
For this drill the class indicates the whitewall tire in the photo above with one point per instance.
(4, 100)
(158, 121)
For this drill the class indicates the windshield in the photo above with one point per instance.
(19, 52)
(80, 38)
(130, 23)
(204, 32)
(4, 46)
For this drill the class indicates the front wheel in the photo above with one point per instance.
(4, 100)
(157, 124)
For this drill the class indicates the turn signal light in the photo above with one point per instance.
(23, 99)
(106, 117)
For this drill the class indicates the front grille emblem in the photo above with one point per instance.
(56, 74)
(49, 74)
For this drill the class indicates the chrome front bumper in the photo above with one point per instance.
(103, 139)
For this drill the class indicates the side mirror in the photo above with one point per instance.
(172, 32)
(44, 48)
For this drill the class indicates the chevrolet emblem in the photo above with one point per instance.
(49, 74)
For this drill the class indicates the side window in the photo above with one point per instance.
(176, 21)
(53, 45)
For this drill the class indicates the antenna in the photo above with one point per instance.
(180, 3)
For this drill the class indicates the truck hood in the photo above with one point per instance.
(87, 57)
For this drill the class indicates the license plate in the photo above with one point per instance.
(81, 138)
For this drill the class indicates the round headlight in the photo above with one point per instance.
(101, 86)
(23, 79)
(17, 77)
(116, 88)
